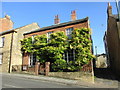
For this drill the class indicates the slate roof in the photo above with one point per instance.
(5, 32)
(14, 30)
(58, 25)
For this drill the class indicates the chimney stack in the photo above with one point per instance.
(56, 20)
(109, 9)
(73, 15)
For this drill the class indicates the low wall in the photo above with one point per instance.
(16, 68)
(84, 76)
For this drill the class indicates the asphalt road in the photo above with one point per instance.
(9, 81)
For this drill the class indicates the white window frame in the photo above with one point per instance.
(31, 58)
(1, 57)
(48, 36)
(69, 32)
(66, 56)
(2, 41)
(33, 38)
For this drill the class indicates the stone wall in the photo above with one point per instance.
(16, 68)
(84, 76)
(101, 61)
(16, 52)
(5, 51)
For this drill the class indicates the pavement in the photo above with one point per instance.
(99, 83)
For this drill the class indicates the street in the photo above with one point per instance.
(9, 81)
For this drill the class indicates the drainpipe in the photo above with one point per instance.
(11, 48)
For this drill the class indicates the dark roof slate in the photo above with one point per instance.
(5, 32)
(58, 25)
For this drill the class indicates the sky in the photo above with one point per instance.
(24, 13)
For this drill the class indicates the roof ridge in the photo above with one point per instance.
(58, 25)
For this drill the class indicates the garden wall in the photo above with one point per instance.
(84, 76)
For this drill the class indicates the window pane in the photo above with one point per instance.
(69, 55)
(69, 32)
(0, 58)
(32, 59)
(48, 36)
(2, 41)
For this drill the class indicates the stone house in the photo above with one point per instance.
(10, 47)
(112, 41)
(67, 27)
(101, 61)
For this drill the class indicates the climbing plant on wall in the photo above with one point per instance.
(54, 49)
(82, 44)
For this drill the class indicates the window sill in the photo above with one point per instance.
(1, 47)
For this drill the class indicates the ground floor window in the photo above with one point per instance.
(32, 59)
(1, 55)
(69, 55)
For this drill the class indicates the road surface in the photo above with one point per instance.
(9, 81)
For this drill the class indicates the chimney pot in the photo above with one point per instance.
(7, 16)
(56, 20)
(109, 9)
(73, 15)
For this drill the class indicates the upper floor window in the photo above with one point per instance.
(33, 40)
(2, 41)
(69, 32)
(48, 36)
(1, 58)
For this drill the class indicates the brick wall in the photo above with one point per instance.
(79, 25)
(5, 23)
(84, 24)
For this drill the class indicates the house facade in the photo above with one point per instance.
(10, 47)
(101, 61)
(112, 41)
(66, 27)
(5, 50)
(5, 24)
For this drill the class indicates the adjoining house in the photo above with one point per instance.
(67, 27)
(101, 61)
(112, 40)
(5, 24)
(10, 47)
